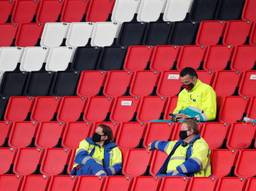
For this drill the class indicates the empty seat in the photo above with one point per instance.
(112, 58)
(191, 56)
(236, 33)
(151, 108)
(170, 106)
(24, 11)
(158, 33)
(97, 109)
(90, 183)
(157, 160)
(70, 108)
(143, 83)
(99, 10)
(243, 165)
(230, 10)
(90, 83)
(54, 161)
(150, 10)
(27, 161)
(184, 33)
(253, 35)
(115, 183)
(248, 82)
(203, 183)
(18, 108)
(248, 11)
(137, 58)
(210, 32)
(35, 182)
(7, 34)
(240, 135)
(5, 10)
(7, 157)
(222, 162)
(179, 183)
(65, 183)
(244, 58)
(164, 57)
(74, 133)
(49, 11)
(217, 57)
(226, 83)
(205, 76)
(9, 58)
(86, 58)
(251, 112)
(78, 33)
(145, 183)
(176, 10)
(132, 34)
(124, 10)
(74, 10)
(33, 29)
(104, 33)
(5, 129)
(169, 84)
(3, 103)
(235, 104)
(251, 184)
(136, 162)
(53, 34)
(33, 58)
(10, 182)
(124, 109)
(117, 83)
(231, 183)
(44, 108)
(22, 134)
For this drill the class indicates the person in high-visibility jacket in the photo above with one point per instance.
(188, 156)
(197, 99)
(98, 155)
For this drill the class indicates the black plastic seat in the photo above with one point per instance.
(230, 9)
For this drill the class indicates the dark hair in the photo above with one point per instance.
(188, 71)
(192, 124)
(107, 131)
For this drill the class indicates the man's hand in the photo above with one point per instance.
(149, 147)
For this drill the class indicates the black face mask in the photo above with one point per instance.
(188, 86)
(96, 137)
(183, 135)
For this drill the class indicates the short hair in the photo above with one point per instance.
(188, 71)
(107, 131)
(192, 124)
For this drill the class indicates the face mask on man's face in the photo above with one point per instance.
(96, 137)
(183, 135)
(188, 86)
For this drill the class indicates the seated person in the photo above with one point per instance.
(98, 155)
(197, 100)
(188, 156)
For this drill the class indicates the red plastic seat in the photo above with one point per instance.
(244, 58)
(222, 162)
(29, 34)
(90, 83)
(7, 34)
(225, 83)
(191, 56)
(164, 57)
(210, 32)
(231, 183)
(49, 10)
(99, 10)
(45, 108)
(248, 84)
(253, 35)
(10, 182)
(74, 133)
(54, 161)
(6, 157)
(143, 83)
(70, 108)
(27, 160)
(130, 134)
(217, 57)
(205, 76)
(249, 10)
(18, 108)
(244, 164)
(136, 162)
(137, 58)
(5, 127)
(202, 183)
(64, 183)
(117, 183)
(157, 161)
(236, 33)
(6, 7)
(151, 108)
(252, 109)
(124, 109)
(169, 84)
(145, 183)
(251, 184)
(117, 83)
(170, 106)
(48, 134)
(240, 135)
(74, 10)
(89, 183)
(34, 182)
(233, 109)
(24, 11)
(22, 134)
(179, 183)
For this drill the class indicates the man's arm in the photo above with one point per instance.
(115, 162)
(82, 155)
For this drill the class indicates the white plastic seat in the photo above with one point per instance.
(79, 34)
(150, 10)
(176, 10)
(9, 58)
(53, 34)
(59, 58)
(104, 33)
(124, 10)
(33, 58)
